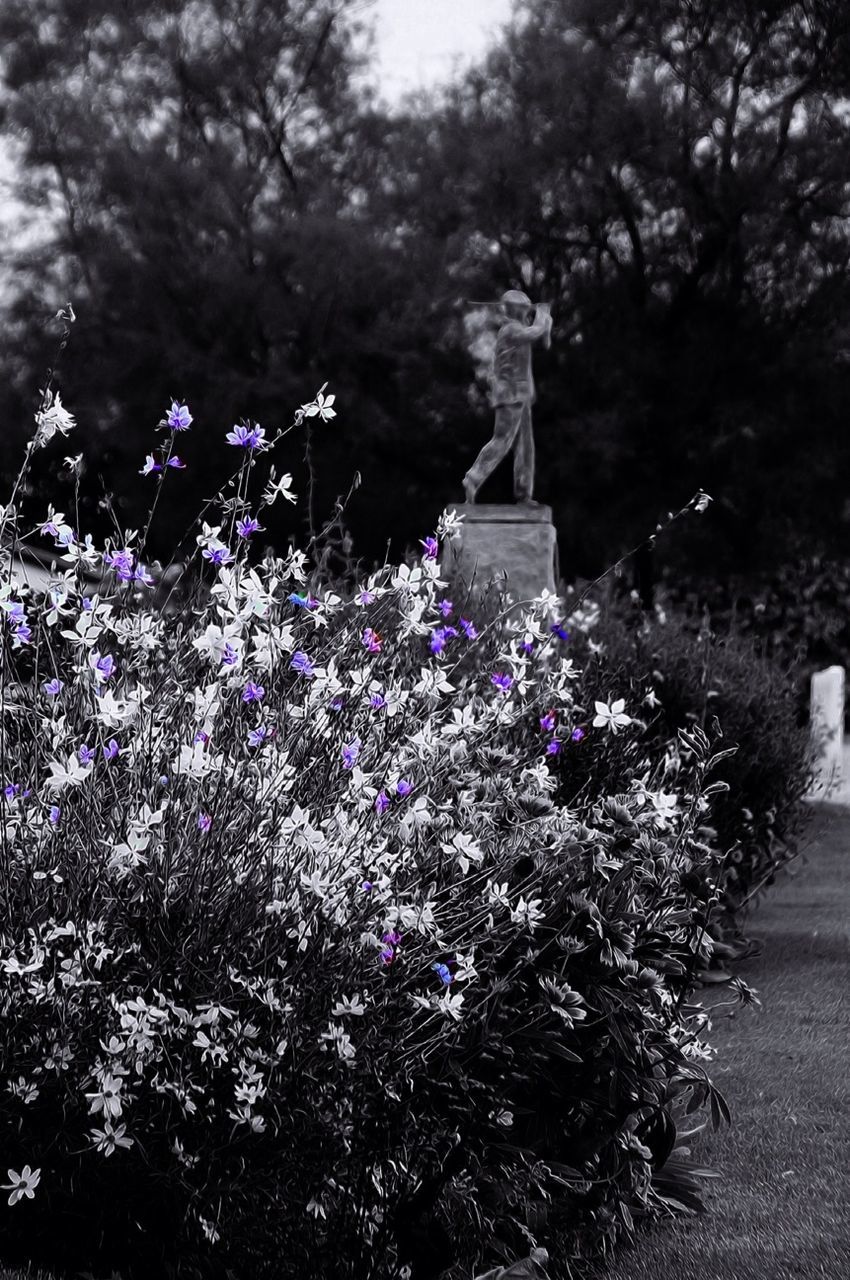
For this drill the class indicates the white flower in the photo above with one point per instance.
(701, 501)
(195, 763)
(666, 805)
(348, 1005)
(109, 1139)
(451, 1005)
(449, 524)
(340, 1040)
(612, 717)
(108, 1098)
(22, 1184)
(116, 713)
(52, 418)
(530, 913)
(71, 774)
(465, 849)
(321, 407)
(278, 489)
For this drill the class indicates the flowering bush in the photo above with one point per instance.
(675, 677)
(304, 968)
(797, 616)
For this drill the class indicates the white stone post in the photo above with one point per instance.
(827, 729)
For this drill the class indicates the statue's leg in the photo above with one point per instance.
(524, 457)
(508, 417)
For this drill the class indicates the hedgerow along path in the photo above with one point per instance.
(780, 1209)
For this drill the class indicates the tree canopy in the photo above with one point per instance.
(238, 218)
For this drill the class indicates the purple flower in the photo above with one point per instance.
(122, 563)
(140, 574)
(392, 940)
(53, 687)
(377, 701)
(558, 629)
(104, 666)
(371, 640)
(302, 602)
(178, 417)
(382, 802)
(110, 751)
(365, 597)
(350, 752)
(469, 629)
(337, 704)
(430, 548)
(22, 634)
(445, 973)
(177, 463)
(15, 613)
(11, 790)
(229, 656)
(367, 886)
(253, 692)
(201, 737)
(501, 680)
(527, 646)
(150, 466)
(204, 822)
(55, 813)
(247, 437)
(547, 722)
(217, 555)
(302, 664)
(439, 636)
(578, 734)
(403, 787)
(445, 607)
(248, 526)
(163, 779)
(85, 755)
(258, 736)
(553, 747)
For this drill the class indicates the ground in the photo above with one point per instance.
(781, 1209)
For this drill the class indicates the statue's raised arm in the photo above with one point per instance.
(540, 325)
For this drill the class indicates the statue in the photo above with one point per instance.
(513, 395)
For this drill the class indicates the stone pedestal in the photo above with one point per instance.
(513, 546)
(827, 728)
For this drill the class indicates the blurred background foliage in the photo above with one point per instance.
(237, 216)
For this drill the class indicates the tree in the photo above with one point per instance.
(673, 176)
(198, 161)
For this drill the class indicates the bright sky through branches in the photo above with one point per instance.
(418, 42)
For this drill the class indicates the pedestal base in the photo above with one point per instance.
(513, 546)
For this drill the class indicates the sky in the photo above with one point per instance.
(418, 42)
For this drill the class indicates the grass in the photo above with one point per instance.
(780, 1210)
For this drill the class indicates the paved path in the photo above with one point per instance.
(781, 1210)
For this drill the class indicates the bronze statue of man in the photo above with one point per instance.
(513, 395)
